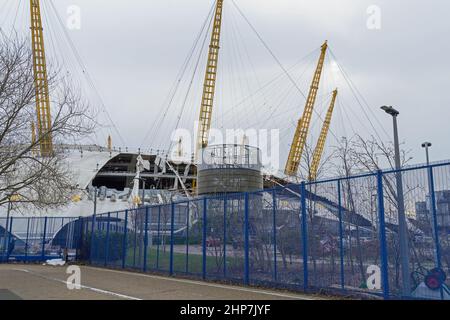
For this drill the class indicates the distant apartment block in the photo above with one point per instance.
(423, 209)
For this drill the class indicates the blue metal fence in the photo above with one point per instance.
(339, 235)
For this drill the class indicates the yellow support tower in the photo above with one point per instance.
(209, 85)
(318, 152)
(301, 133)
(44, 120)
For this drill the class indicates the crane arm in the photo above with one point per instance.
(209, 85)
(44, 120)
(318, 152)
(301, 133)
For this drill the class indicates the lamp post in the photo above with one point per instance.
(426, 146)
(402, 224)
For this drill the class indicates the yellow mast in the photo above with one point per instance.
(209, 85)
(301, 133)
(44, 121)
(318, 152)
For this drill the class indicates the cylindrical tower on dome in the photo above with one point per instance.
(229, 169)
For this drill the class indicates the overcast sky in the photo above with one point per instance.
(134, 49)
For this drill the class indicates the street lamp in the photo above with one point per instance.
(426, 146)
(402, 225)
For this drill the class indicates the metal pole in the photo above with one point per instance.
(9, 237)
(6, 241)
(107, 239)
(274, 221)
(205, 203)
(135, 226)
(435, 220)
(382, 232)
(92, 237)
(403, 227)
(27, 239)
(145, 240)
(246, 243)
(93, 225)
(435, 224)
(125, 240)
(187, 238)
(172, 226)
(341, 235)
(225, 204)
(304, 235)
(159, 237)
(143, 192)
(80, 238)
(43, 238)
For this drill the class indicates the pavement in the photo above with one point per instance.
(39, 282)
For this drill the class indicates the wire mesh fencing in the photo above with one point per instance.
(382, 234)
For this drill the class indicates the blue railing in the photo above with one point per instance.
(339, 236)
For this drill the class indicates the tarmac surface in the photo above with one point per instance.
(39, 282)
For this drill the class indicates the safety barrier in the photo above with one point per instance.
(340, 236)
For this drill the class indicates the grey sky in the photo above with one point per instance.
(134, 49)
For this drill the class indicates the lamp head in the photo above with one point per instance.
(390, 110)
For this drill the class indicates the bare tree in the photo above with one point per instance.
(347, 166)
(358, 155)
(42, 182)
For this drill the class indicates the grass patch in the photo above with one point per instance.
(194, 261)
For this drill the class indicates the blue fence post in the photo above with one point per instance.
(225, 204)
(187, 238)
(92, 238)
(80, 238)
(382, 231)
(85, 235)
(435, 222)
(341, 235)
(145, 240)
(62, 225)
(159, 237)
(274, 221)
(11, 219)
(246, 242)
(172, 226)
(107, 239)
(27, 239)
(205, 211)
(43, 238)
(5, 241)
(135, 223)
(434, 213)
(125, 240)
(304, 234)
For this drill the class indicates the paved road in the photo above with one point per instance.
(33, 282)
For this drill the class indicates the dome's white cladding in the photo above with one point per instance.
(83, 168)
